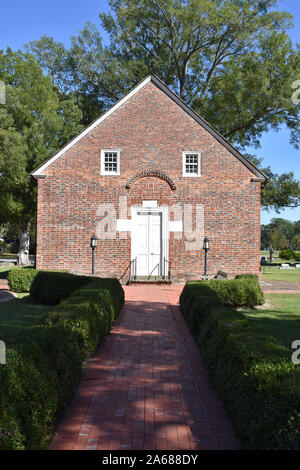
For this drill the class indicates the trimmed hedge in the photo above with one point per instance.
(90, 311)
(20, 279)
(43, 367)
(44, 363)
(242, 292)
(252, 372)
(51, 287)
(247, 276)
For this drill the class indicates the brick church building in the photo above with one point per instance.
(150, 179)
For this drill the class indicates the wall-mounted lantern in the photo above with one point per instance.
(94, 242)
(206, 248)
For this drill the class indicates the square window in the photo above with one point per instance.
(191, 164)
(110, 162)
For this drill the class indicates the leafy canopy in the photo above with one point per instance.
(230, 60)
(36, 120)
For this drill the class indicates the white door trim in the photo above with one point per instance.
(164, 230)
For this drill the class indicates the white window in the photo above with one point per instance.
(191, 163)
(110, 162)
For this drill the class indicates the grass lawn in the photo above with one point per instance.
(280, 318)
(8, 255)
(276, 274)
(18, 314)
(4, 271)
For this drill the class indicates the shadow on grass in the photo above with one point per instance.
(281, 319)
(19, 314)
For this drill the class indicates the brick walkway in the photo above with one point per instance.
(147, 387)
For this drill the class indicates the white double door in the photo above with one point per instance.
(147, 242)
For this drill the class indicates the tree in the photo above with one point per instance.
(296, 242)
(36, 120)
(231, 61)
(286, 227)
(289, 230)
(278, 240)
(280, 191)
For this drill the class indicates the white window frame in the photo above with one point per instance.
(110, 173)
(194, 152)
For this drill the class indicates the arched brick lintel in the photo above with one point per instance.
(155, 173)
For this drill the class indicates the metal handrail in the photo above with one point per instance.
(133, 261)
(169, 268)
(132, 272)
(153, 270)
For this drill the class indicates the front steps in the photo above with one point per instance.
(149, 280)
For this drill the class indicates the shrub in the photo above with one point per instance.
(297, 256)
(20, 279)
(51, 287)
(287, 254)
(247, 276)
(252, 371)
(42, 369)
(242, 292)
(44, 362)
(90, 310)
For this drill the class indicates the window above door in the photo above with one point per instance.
(191, 163)
(110, 162)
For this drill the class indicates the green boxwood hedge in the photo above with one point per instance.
(243, 292)
(44, 363)
(20, 279)
(247, 276)
(252, 372)
(51, 287)
(90, 310)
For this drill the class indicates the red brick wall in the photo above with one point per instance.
(152, 131)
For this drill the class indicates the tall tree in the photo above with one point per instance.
(278, 241)
(296, 242)
(230, 60)
(280, 191)
(290, 232)
(35, 121)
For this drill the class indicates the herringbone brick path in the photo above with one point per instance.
(147, 387)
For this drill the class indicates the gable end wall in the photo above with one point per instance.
(151, 131)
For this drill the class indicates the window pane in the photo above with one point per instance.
(191, 163)
(111, 162)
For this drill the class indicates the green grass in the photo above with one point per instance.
(8, 255)
(274, 273)
(281, 319)
(4, 270)
(18, 314)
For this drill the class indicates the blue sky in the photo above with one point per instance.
(23, 21)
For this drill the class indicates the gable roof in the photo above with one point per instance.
(259, 175)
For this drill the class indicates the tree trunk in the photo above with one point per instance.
(23, 253)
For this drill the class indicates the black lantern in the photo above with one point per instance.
(94, 242)
(206, 248)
